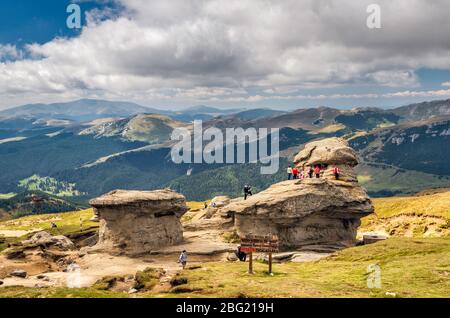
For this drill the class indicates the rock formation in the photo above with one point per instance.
(330, 153)
(309, 212)
(47, 240)
(137, 222)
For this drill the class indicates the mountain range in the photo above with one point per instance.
(97, 146)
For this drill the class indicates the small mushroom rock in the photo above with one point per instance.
(136, 222)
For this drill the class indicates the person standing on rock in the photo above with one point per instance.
(295, 173)
(183, 259)
(317, 171)
(310, 172)
(302, 175)
(289, 172)
(247, 191)
(336, 172)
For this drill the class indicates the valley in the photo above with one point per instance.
(106, 146)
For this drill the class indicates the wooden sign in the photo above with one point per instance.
(263, 244)
(248, 250)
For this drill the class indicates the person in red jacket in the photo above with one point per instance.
(336, 172)
(295, 173)
(317, 171)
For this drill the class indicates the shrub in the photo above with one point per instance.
(148, 278)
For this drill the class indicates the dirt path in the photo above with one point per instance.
(16, 234)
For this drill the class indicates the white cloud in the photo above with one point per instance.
(190, 50)
(446, 84)
(9, 52)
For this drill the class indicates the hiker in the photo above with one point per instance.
(247, 191)
(310, 172)
(183, 259)
(242, 256)
(317, 171)
(289, 172)
(54, 226)
(295, 173)
(206, 205)
(336, 172)
(302, 175)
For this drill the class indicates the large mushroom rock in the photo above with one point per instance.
(329, 153)
(136, 222)
(304, 212)
(311, 211)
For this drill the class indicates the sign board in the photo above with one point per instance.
(248, 250)
(261, 244)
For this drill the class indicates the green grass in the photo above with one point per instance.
(388, 181)
(409, 268)
(20, 292)
(429, 205)
(6, 196)
(68, 223)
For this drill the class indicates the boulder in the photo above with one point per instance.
(371, 238)
(309, 212)
(19, 273)
(46, 239)
(220, 201)
(331, 151)
(137, 222)
(232, 257)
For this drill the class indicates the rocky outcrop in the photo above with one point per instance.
(137, 222)
(45, 239)
(310, 212)
(329, 153)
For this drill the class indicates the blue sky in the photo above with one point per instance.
(179, 53)
(27, 21)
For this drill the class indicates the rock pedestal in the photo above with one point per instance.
(137, 222)
(309, 212)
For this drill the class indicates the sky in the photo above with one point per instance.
(255, 53)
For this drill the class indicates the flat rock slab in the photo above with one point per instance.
(10, 233)
(304, 257)
(198, 248)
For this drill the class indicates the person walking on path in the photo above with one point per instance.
(183, 259)
(289, 172)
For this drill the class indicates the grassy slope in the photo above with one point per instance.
(409, 267)
(430, 205)
(68, 223)
(387, 181)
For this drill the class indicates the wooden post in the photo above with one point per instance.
(270, 263)
(250, 263)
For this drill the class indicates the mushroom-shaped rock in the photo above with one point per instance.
(331, 151)
(309, 212)
(136, 222)
(329, 154)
